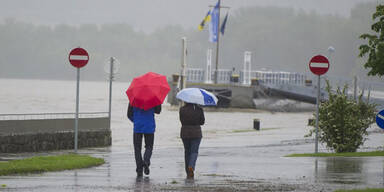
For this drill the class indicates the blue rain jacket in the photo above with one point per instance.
(143, 121)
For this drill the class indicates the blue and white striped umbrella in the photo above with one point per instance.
(197, 96)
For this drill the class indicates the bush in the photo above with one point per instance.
(343, 122)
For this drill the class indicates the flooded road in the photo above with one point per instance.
(232, 157)
(218, 169)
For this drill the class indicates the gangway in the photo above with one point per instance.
(294, 92)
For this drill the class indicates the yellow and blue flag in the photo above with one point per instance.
(207, 18)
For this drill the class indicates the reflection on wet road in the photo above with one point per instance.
(142, 184)
(349, 170)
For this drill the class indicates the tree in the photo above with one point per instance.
(343, 122)
(375, 47)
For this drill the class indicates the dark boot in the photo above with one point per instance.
(190, 173)
(146, 169)
(139, 172)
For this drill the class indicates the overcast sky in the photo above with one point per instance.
(146, 15)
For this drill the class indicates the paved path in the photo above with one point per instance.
(218, 169)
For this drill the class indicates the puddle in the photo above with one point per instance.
(349, 170)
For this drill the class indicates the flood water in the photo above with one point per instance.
(231, 150)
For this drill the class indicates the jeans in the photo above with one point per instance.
(191, 151)
(137, 142)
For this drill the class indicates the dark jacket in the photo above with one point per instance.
(191, 117)
(143, 121)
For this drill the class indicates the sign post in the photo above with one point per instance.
(78, 57)
(110, 90)
(111, 67)
(319, 65)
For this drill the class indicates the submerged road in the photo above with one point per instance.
(247, 168)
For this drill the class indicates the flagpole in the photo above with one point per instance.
(217, 46)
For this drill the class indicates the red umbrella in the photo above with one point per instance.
(148, 90)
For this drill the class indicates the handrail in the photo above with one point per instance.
(30, 116)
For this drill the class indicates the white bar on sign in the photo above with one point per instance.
(319, 65)
(380, 116)
(78, 57)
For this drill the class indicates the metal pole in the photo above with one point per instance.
(245, 69)
(183, 63)
(317, 115)
(110, 90)
(316, 169)
(77, 109)
(249, 67)
(217, 47)
(209, 68)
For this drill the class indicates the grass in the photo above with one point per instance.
(362, 190)
(217, 175)
(48, 163)
(210, 131)
(243, 130)
(351, 154)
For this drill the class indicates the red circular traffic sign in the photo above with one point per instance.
(319, 65)
(78, 57)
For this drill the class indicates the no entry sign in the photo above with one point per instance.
(78, 57)
(319, 65)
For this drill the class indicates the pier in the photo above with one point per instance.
(241, 90)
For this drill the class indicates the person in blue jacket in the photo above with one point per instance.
(143, 125)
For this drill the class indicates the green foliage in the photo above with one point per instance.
(375, 47)
(349, 154)
(343, 122)
(48, 163)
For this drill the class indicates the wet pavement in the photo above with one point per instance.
(247, 168)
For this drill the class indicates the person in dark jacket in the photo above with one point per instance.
(191, 118)
(143, 125)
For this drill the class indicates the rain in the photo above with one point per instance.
(263, 56)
